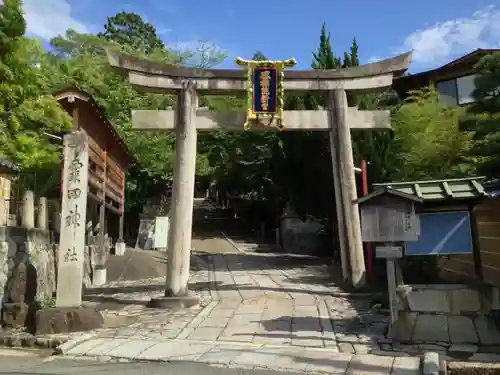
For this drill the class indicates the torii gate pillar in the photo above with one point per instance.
(181, 215)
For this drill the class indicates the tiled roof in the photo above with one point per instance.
(440, 190)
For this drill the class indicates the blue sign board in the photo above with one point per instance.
(442, 233)
(265, 90)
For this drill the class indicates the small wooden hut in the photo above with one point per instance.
(109, 159)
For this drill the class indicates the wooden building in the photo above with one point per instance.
(109, 159)
(454, 81)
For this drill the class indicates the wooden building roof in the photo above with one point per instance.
(459, 67)
(68, 96)
(440, 190)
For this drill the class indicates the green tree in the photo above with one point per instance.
(129, 29)
(483, 116)
(80, 60)
(27, 110)
(324, 58)
(354, 53)
(259, 56)
(427, 142)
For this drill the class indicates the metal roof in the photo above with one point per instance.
(440, 190)
(387, 190)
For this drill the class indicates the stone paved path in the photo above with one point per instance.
(285, 300)
(258, 310)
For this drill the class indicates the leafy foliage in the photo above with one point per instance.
(129, 29)
(483, 117)
(27, 110)
(427, 143)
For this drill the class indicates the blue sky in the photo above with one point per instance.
(437, 30)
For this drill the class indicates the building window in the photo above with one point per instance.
(448, 92)
(465, 87)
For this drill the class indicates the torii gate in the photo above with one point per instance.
(187, 119)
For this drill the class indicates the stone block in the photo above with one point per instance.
(99, 276)
(67, 319)
(465, 300)
(462, 330)
(487, 331)
(406, 366)
(431, 328)
(402, 330)
(428, 300)
(120, 248)
(462, 351)
(431, 364)
(14, 314)
(368, 364)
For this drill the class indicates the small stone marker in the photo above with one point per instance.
(16, 310)
(20, 281)
(73, 219)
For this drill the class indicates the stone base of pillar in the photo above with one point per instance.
(99, 276)
(120, 248)
(174, 302)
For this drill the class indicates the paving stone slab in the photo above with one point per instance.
(175, 351)
(270, 358)
(406, 366)
(84, 347)
(368, 364)
(206, 333)
(105, 347)
(130, 349)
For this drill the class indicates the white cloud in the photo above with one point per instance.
(449, 39)
(49, 18)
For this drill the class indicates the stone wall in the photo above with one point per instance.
(447, 314)
(29, 248)
(35, 249)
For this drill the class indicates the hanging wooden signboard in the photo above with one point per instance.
(265, 90)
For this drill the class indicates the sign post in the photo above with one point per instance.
(73, 216)
(391, 254)
(388, 217)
